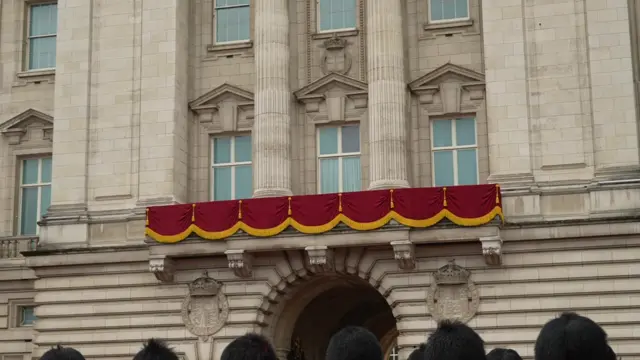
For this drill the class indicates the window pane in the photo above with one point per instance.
(443, 168)
(467, 167)
(442, 133)
(349, 13)
(242, 2)
(350, 139)
(325, 15)
(222, 25)
(462, 9)
(328, 140)
(448, 9)
(29, 213)
(220, 3)
(242, 149)
(351, 174)
(44, 20)
(221, 150)
(42, 53)
(46, 170)
(436, 10)
(45, 199)
(30, 171)
(244, 182)
(232, 24)
(244, 23)
(27, 315)
(329, 176)
(465, 131)
(222, 183)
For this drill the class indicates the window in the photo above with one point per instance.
(27, 315)
(455, 152)
(43, 25)
(394, 355)
(232, 18)
(448, 10)
(35, 193)
(232, 174)
(339, 159)
(336, 14)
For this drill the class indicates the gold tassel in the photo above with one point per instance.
(392, 204)
(289, 211)
(239, 209)
(146, 220)
(340, 203)
(445, 196)
(497, 194)
(193, 213)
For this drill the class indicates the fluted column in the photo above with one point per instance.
(387, 91)
(271, 129)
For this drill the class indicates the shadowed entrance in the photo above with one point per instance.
(337, 301)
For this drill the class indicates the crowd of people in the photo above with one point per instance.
(567, 337)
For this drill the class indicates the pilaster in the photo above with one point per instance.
(66, 220)
(272, 124)
(164, 104)
(506, 92)
(387, 95)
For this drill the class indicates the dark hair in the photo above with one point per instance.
(503, 354)
(417, 354)
(354, 343)
(454, 340)
(249, 347)
(572, 337)
(62, 353)
(155, 349)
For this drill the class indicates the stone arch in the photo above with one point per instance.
(296, 284)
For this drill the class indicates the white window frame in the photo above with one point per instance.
(29, 37)
(431, 21)
(232, 163)
(39, 185)
(339, 155)
(454, 148)
(319, 19)
(215, 23)
(394, 354)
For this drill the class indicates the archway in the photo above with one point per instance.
(320, 307)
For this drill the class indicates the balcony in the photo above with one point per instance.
(316, 214)
(318, 223)
(11, 247)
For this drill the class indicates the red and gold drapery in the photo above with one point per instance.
(472, 205)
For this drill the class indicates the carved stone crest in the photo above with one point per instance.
(336, 58)
(452, 295)
(205, 309)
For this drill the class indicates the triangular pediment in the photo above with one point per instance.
(22, 126)
(447, 73)
(24, 119)
(330, 82)
(222, 93)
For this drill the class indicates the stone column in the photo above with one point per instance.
(387, 92)
(271, 130)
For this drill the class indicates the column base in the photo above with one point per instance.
(388, 184)
(64, 226)
(277, 192)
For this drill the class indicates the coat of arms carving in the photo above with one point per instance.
(205, 308)
(452, 295)
(336, 58)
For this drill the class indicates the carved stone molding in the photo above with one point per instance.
(226, 108)
(449, 89)
(318, 92)
(17, 128)
(404, 253)
(452, 295)
(240, 262)
(492, 249)
(162, 267)
(320, 258)
(205, 309)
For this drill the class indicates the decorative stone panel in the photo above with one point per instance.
(30, 125)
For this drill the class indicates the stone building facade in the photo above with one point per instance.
(109, 107)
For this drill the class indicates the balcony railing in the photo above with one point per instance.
(472, 205)
(12, 247)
